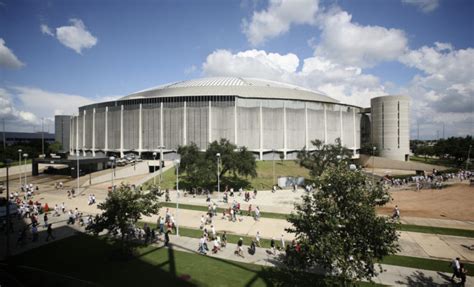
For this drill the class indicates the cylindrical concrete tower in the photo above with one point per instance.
(391, 126)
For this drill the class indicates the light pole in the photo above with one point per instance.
(273, 165)
(218, 155)
(154, 168)
(112, 159)
(177, 162)
(78, 172)
(19, 163)
(373, 164)
(25, 155)
(161, 163)
(7, 246)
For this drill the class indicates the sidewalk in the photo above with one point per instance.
(392, 275)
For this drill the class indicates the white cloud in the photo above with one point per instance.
(8, 58)
(346, 84)
(424, 5)
(46, 30)
(349, 43)
(23, 107)
(278, 18)
(76, 36)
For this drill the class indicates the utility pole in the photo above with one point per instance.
(468, 157)
(443, 130)
(4, 142)
(42, 136)
(418, 130)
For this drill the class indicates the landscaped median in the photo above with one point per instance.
(401, 227)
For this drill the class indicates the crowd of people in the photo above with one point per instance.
(434, 180)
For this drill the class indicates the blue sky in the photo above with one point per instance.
(56, 55)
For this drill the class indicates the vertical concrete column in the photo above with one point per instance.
(261, 131)
(84, 133)
(184, 124)
(140, 131)
(93, 132)
(285, 136)
(121, 131)
(210, 124)
(161, 126)
(354, 130)
(77, 135)
(71, 132)
(106, 131)
(325, 125)
(341, 126)
(306, 136)
(235, 123)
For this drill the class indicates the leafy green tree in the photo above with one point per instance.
(324, 156)
(55, 147)
(122, 209)
(456, 148)
(338, 228)
(200, 168)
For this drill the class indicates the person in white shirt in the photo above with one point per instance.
(257, 238)
(213, 231)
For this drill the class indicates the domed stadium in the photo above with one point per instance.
(265, 116)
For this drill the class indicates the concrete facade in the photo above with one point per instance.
(390, 127)
(264, 116)
(62, 130)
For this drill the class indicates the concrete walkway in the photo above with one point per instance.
(392, 275)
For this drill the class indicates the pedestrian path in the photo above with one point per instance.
(392, 275)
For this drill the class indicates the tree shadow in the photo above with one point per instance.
(418, 278)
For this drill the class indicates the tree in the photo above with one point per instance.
(122, 209)
(55, 147)
(456, 148)
(200, 168)
(337, 226)
(323, 156)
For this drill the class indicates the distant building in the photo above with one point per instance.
(26, 138)
(62, 126)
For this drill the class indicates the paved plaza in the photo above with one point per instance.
(431, 246)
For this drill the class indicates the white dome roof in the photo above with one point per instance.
(232, 86)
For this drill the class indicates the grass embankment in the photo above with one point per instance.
(89, 263)
(434, 161)
(263, 180)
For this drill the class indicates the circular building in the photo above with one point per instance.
(265, 116)
(391, 126)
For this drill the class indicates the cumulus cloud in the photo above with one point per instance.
(346, 84)
(277, 19)
(76, 36)
(349, 43)
(425, 6)
(8, 58)
(23, 107)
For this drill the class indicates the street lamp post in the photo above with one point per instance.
(177, 162)
(161, 163)
(273, 166)
(468, 157)
(112, 159)
(25, 155)
(7, 246)
(19, 164)
(218, 155)
(78, 172)
(154, 168)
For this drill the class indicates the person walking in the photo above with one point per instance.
(45, 218)
(240, 251)
(456, 265)
(49, 232)
(272, 245)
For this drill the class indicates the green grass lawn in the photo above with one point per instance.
(264, 179)
(435, 161)
(83, 260)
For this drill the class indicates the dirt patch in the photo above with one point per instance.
(456, 201)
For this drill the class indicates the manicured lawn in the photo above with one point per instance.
(263, 181)
(83, 260)
(434, 160)
(436, 230)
